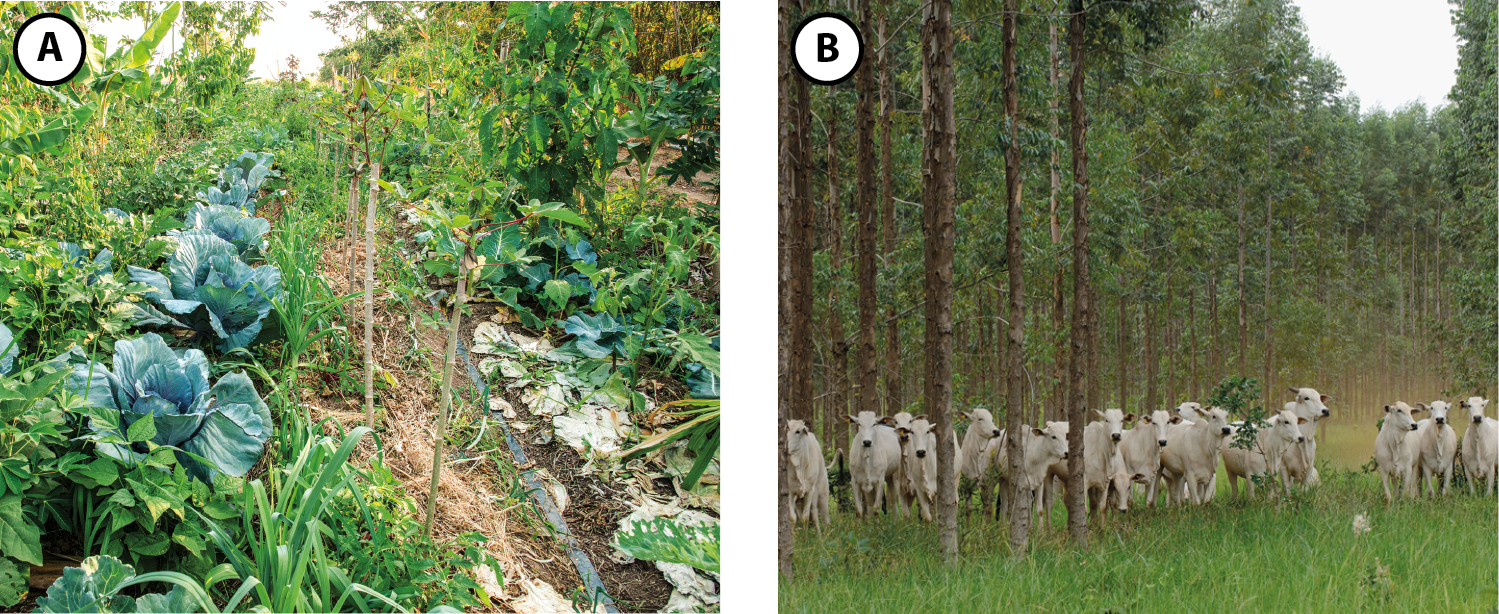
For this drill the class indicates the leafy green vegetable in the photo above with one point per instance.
(90, 587)
(8, 349)
(239, 181)
(13, 579)
(210, 290)
(664, 539)
(227, 424)
(599, 335)
(230, 224)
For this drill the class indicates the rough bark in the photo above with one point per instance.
(837, 370)
(798, 158)
(1123, 352)
(369, 299)
(1152, 361)
(1059, 265)
(1214, 368)
(867, 376)
(1192, 342)
(1020, 509)
(1082, 320)
(938, 183)
(1268, 340)
(784, 304)
(893, 371)
(1243, 321)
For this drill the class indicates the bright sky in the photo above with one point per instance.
(293, 31)
(1391, 51)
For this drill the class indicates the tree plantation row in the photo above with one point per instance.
(1051, 207)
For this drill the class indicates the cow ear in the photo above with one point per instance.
(1100, 414)
(1387, 409)
(1145, 418)
(1423, 406)
(1326, 398)
(848, 418)
(964, 414)
(1300, 420)
(1137, 477)
(1415, 410)
(1129, 417)
(920, 417)
(887, 421)
(1037, 432)
(1175, 419)
(901, 430)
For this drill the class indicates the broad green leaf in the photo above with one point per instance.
(148, 544)
(18, 537)
(558, 292)
(701, 350)
(142, 430)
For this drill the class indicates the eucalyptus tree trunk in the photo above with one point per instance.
(1058, 265)
(798, 160)
(1018, 497)
(1123, 352)
(837, 371)
(938, 183)
(449, 358)
(1191, 341)
(1269, 339)
(893, 371)
(1082, 317)
(867, 376)
(785, 305)
(1213, 366)
(1243, 321)
(1152, 361)
(369, 299)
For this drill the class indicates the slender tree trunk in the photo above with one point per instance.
(369, 299)
(801, 225)
(1243, 322)
(351, 225)
(938, 182)
(449, 358)
(838, 371)
(1020, 508)
(893, 369)
(785, 263)
(1215, 367)
(1192, 382)
(1082, 318)
(1152, 361)
(867, 212)
(1058, 264)
(1124, 352)
(1269, 340)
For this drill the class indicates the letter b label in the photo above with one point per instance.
(827, 48)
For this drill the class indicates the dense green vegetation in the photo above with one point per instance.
(1047, 209)
(179, 299)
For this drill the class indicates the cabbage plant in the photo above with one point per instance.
(246, 233)
(210, 291)
(226, 424)
(239, 181)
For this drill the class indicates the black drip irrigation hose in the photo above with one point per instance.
(586, 570)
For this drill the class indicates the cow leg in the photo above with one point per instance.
(1384, 480)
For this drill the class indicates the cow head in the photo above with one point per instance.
(1155, 423)
(981, 423)
(1475, 406)
(1283, 427)
(1216, 419)
(1114, 420)
(864, 425)
(1053, 439)
(1437, 410)
(1398, 416)
(1188, 411)
(1310, 404)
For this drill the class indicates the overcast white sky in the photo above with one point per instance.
(293, 32)
(1391, 51)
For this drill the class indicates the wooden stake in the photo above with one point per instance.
(447, 387)
(369, 298)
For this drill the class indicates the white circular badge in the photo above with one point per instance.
(49, 49)
(827, 48)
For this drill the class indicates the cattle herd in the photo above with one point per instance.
(893, 462)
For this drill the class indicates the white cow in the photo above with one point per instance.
(1430, 450)
(807, 477)
(1301, 460)
(1043, 449)
(1274, 436)
(874, 462)
(1389, 446)
(1141, 448)
(905, 488)
(973, 459)
(1100, 447)
(921, 462)
(1480, 445)
(1190, 459)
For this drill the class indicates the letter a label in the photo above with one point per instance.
(49, 49)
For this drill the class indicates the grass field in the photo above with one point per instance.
(1293, 555)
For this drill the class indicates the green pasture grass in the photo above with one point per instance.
(1285, 555)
